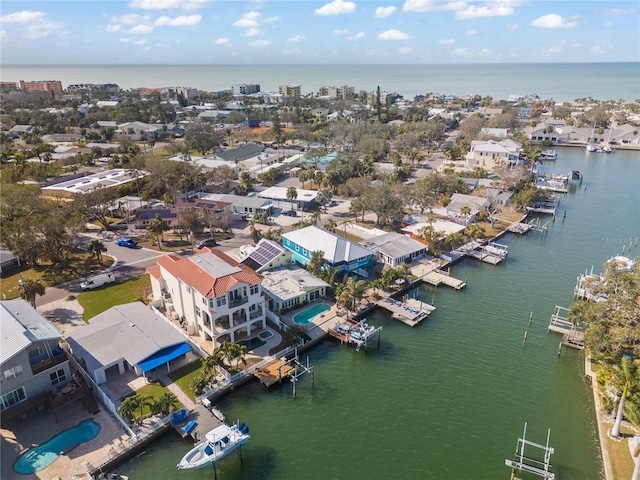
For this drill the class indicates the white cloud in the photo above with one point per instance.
(272, 19)
(598, 50)
(130, 19)
(112, 28)
(167, 4)
(134, 42)
(620, 11)
(223, 41)
(555, 49)
(24, 16)
(252, 32)
(553, 20)
(336, 7)
(141, 29)
(461, 52)
(471, 32)
(296, 39)
(422, 6)
(38, 31)
(260, 43)
(182, 21)
(446, 41)
(383, 12)
(609, 24)
(393, 35)
(405, 50)
(248, 20)
(491, 10)
(484, 52)
(357, 36)
(512, 27)
(340, 32)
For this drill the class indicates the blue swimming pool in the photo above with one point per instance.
(309, 314)
(37, 458)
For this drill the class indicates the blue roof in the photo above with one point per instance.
(163, 356)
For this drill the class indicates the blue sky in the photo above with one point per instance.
(311, 32)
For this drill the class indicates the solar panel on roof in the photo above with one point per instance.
(265, 253)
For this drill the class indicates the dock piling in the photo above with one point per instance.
(559, 348)
(524, 340)
(530, 318)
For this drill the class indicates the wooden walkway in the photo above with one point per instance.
(274, 372)
(411, 312)
(485, 257)
(431, 273)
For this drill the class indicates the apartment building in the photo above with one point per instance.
(293, 91)
(54, 86)
(213, 295)
(245, 89)
(336, 92)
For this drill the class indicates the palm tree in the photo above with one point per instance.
(292, 194)
(128, 407)
(29, 289)
(144, 400)
(352, 293)
(210, 363)
(238, 352)
(157, 227)
(475, 230)
(165, 404)
(330, 225)
(344, 223)
(316, 261)
(96, 247)
(628, 373)
(314, 217)
(405, 271)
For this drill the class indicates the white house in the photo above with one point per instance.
(214, 296)
(489, 154)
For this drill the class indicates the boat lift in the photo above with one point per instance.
(539, 468)
(299, 370)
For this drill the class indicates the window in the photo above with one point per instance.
(204, 300)
(58, 377)
(36, 351)
(211, 303)
(198, 313)
(14, 397)
(220, 301)
(188, 289)
(253, 290)
(13, 372)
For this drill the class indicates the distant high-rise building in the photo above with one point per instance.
(291, 90)
(245, 89)
(336, 92)
(54, 86)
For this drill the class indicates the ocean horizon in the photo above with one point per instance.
(558, 81)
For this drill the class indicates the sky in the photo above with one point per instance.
(237, 32)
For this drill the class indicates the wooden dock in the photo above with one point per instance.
(484, 256)
(411, 312)
(204, 419)
(572, 334)
(519, 227)
(430, 272)
(274, 372)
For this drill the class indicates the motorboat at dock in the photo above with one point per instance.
(217, 444)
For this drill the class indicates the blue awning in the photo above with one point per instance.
(163, 356)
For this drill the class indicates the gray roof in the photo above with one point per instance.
(132, 331)
(289, 282)
(21, 325)
(336, 249)
(242, 152)
(394, 245)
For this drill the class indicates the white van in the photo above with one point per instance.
(98, 281)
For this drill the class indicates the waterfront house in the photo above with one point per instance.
(489, 154)
(463, 209)
(129, 337)
(31, 360)
(288, 286)
(213, 295)
(339, 253)
(394, 249)
(443, 227)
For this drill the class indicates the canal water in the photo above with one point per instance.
(449, 398)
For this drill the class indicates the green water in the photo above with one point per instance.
(449, 398)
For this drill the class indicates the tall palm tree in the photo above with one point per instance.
(330, 225)
(29, 289)
(292, 194)
(475, 230)
(96, 247)
(165, 404)
(345, 222)
(316, 261)
(405, 271)
(210, 363)
(352, 293)
(129, 407)
(628, 373)
(157, 226)
(314, 217)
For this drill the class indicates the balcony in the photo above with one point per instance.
(238, 301)
(58, 358)
(256, 314)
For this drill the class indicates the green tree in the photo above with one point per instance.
(97, 248)
(129, 407)
(352, 293)
(165, 404)
(316, 262)
(629, 375)
(292, 194)
(157, 227)
(29, 289)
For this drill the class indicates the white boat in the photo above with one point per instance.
(591, 147)
(217, 444)
(548, 155)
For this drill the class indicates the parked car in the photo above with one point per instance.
(289, 213)
(98, 281)
(207, 242)
(127, 242)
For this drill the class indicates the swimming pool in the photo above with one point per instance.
(265, 335)
(37, 458)
(309, 314)
(252, 343)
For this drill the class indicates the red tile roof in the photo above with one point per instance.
(205, 283)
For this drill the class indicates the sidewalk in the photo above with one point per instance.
(175, 389)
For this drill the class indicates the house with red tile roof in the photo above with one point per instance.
(213, 295)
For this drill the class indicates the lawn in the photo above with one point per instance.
(155, 391)
(81, 264)
(97, 301)
(619, 455)
(183, 377)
